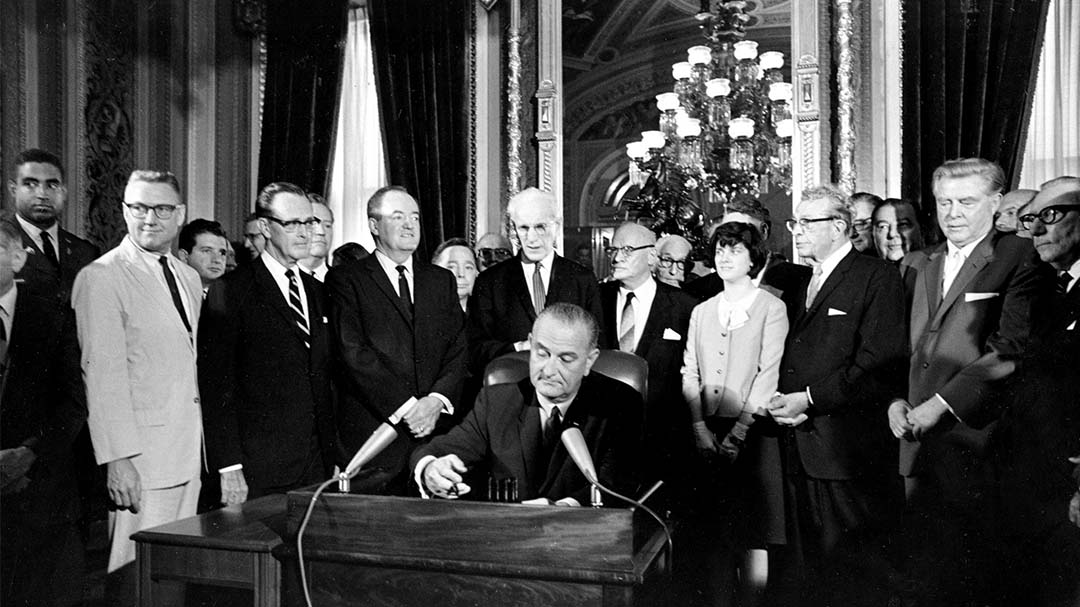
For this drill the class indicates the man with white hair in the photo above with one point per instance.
(673, 260)
(508, 296)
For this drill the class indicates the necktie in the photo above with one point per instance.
(297, 306)
(815, 286)
(953, 263)
(174, 291)
(1063, 281)
(403, 289)
(626, 337)
(48, 248)
(538, 288)
(552, 429)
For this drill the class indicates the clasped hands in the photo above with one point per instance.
(14, 465)
(789, 409)
(912, 424)
(423, 415)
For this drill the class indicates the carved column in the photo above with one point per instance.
(549, 102)
(845, 97)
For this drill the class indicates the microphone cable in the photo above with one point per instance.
(300, 538)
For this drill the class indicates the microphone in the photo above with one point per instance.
(379, 440)
(574, 442)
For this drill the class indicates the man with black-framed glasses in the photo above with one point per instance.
(264, 362)
(508, 296)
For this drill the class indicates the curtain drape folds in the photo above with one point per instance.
(420, 50)
(969, 76)
(305, 48)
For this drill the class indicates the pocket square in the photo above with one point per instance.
(835, 312)
(671, 335)
(324, 321)
(1071, 327)
(979, 296)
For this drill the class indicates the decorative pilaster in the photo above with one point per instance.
(845, 97)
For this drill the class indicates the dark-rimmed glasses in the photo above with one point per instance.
(161, 211)
(1047, 216)
(805, 223)
(626, 251)
(293, 225)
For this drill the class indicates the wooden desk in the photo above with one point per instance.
(230, 547)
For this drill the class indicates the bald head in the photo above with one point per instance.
(671, 264)
(633, 254)
(492, 248)
(1053, 218)
(1005, 219)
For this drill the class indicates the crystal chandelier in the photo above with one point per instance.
(724, 132)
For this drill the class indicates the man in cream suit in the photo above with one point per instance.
(970, 303)
(136, 307)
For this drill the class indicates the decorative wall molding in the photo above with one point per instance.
(845, 96)
(513, 100)
(549, 127)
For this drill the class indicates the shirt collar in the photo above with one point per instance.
(147, 255)
(829, 263)
(7, 302)
(646, 291)
(545, 262)
(35, 232)
(966, 249)
(390, 266)
(273, 265)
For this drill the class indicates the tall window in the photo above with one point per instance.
(359, 159)
(1053, 142)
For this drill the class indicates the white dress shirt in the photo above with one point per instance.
(151, 263)
(7, 310)
(389, 267)
(34, 233)
(277, 271)
(954, 260)
(527, 268)
(642, 303)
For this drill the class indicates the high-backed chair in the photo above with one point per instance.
(630, 369)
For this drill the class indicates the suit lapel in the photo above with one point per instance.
(517, 284)
(980, 256)
(381, 281)
(148, 283)
(835, 278)
(609, 299)
(270, 291)
(932, 277)
(655, 322)
(529, 429)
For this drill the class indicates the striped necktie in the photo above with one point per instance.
(297, 307)
(626, 325)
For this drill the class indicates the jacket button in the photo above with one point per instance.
(798, 340)
(196, 400)
(790, 371)
(723, 335)
(926, 365)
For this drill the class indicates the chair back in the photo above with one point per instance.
(628, 368)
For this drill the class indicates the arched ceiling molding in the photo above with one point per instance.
(611, 94)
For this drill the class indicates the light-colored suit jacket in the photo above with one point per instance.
(138, 361)
(734, 370)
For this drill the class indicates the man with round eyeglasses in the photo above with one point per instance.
(673, 263)
(136, 309)
(508, 296)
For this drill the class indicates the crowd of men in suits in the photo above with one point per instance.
(930, 409)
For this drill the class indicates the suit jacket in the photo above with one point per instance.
(502, 436)
(663, 338)
(780, 277)
(501, 311)
(849, 349)
(265, 394)
(730, 370)
(138, 362)
(386, 355)
(966, 341)
(43, 406)
(1040, 427)
(48, 280)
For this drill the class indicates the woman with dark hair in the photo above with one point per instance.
(730, 371)
(896, 229)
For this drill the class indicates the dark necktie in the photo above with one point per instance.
(48, 248)
(403, 289)
(626, 338)
(297, 307)
(538, 288)
(174, 291)
(1063, 281)
(552, 429)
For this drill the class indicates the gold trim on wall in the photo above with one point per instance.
(513, 101)
(845, 97)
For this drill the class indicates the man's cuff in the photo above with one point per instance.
(232, 468)
(418, 473)
(946, 403)
(521, 346)
(808, 396)
(402, 411)
(447, 406)
(568, 501)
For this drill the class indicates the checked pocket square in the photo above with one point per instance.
(979, 296)
(671, 335)
(835, 312)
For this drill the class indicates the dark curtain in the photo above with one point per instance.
(969, 74)
(305, 51)
(421, 51)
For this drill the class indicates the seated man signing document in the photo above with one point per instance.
(514, 429)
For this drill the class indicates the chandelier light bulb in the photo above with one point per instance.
(780, 91)
(784, 129)
(681, 70)
(741, 128)
(699, 55)
(666, 102)
(746, 49)
(637, 150)
(771, 60)
(653, 139)
(691, 127)
(718, 87)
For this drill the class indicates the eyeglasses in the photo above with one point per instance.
(862, 224)
(1047, 216)
(294, 225)
(541, 230)
(666, 262)
(489, 255)
(805, 223)
(626, 251)
(162, 211)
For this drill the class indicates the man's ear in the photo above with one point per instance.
(264, 227)
(182, 254)
(18, 257)
(12, 186)
(590, 359)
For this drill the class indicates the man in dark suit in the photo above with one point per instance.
(780, 277)
(650, 319)
(514, 429)
(264, 362)
(43, 407)
(508, 296)
(399, 336)
(1039, 492)
(843, 358)
(55, 255)
(970, 308)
